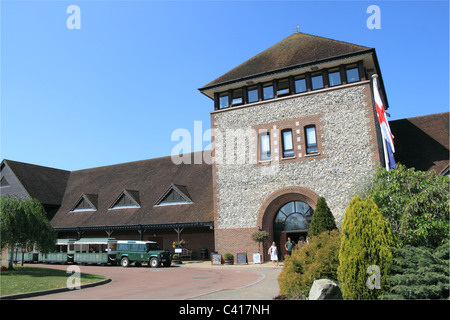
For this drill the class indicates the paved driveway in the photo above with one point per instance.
(190, 281)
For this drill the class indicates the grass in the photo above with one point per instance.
(30, 279)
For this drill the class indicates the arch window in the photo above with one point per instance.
(293, 216)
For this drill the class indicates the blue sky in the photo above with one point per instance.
(114, 90)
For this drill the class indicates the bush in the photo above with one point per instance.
(322, 218)
(415, 203)
(366, 241)
(308, 262)
(228, 256)
(421, 273)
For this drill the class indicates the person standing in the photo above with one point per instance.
(289, 246)
(273, 253)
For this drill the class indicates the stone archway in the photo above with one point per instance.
(278, 199)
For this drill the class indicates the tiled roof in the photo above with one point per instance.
(147, 181)
(422, 142)
(297, 49)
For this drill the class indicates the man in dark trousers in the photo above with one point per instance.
(289, 246)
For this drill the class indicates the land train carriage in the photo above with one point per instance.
(64, 252)
(95, 250)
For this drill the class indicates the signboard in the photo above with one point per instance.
(178, 250)
(216, 259)
(257, 258)
(241, 258)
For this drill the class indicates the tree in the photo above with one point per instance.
(23, 223)
(365, 248)
(322, 218)
(260, 236)
(415, 203)
(420, 273)
(317, 260)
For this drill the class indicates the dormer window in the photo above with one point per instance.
(177, 194)
(87, 202)
(127, 199)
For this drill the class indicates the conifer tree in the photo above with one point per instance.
(365, 249)
(322, 219)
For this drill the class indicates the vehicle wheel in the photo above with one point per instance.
(154, 262)
(125, 262)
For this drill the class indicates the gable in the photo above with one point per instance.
(176, 194)
(85, 203)
(127, 199)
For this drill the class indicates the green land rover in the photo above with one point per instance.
(142, 251)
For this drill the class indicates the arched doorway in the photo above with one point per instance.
(269, 210)
(292, 220)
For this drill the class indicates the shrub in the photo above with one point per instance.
(415, 203)
(366, 241)
(228, 256)
(322, 218)
(421, 273)
(308, 262)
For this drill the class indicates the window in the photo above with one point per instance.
(311, 141)
(352, 75)
(223, 101)
(288, 148)
(127, 199)
(268, 91)
(87, 202)
(334, 78)
(237, 97)
(177, 194)
(317, 81)
(300, 85)
(283, 87)
(252, 94)
(264, 146)
(4, 183)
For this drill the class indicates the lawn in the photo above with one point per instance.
(30, 279)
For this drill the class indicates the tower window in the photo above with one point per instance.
(300, 85)
(268, 91)
(311, 140)
(317, 81)
(288, 148)
(283, 87)
(334, 78)
(237, 97)
(264, 146)
(223, 101)
(352, 75)
(252, 94)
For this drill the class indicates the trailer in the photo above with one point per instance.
(95, 250)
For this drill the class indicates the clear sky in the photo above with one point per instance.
(114, 90)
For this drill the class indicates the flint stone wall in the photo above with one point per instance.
(350, 152)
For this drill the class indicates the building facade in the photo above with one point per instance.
(291, 124)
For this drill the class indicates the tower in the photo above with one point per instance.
(293, 123)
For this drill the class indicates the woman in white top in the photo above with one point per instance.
(273, 253)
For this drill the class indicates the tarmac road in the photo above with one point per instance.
(191, 280)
